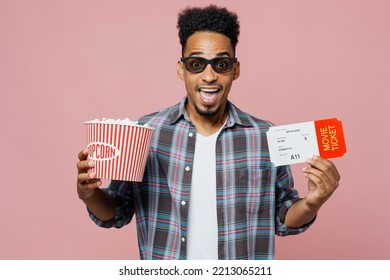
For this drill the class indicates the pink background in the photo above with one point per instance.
(65, 62)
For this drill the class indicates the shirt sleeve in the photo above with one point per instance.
(122, 193)
(286, 196)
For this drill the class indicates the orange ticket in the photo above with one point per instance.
(294, 143)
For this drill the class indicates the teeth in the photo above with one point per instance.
(209, 89)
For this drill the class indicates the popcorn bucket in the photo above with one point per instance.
(119, 150)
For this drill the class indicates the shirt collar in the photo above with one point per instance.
(235, 115)
(178, 112)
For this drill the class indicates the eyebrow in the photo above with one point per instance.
(217, 55)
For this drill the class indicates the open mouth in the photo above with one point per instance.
(209, 94)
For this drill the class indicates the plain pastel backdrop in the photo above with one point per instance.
(64, 62)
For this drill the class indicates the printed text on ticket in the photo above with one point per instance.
(294, 143)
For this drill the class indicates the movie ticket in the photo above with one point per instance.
(294, 143)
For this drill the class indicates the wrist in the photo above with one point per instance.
(312, 208)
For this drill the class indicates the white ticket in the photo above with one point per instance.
(294, 143)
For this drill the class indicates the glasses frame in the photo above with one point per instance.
(212, 62)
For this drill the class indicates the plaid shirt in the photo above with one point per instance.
(252, 194)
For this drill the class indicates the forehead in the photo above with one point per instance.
(208, 44)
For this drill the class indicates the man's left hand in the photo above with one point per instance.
(323, 181)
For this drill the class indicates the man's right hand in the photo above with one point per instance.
(86, 182)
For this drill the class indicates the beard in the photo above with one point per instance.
(208, 113)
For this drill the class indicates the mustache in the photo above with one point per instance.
(216, 85)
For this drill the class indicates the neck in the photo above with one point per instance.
(208, 125)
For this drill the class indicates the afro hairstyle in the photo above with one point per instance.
(210, 19)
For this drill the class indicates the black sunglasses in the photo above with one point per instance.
(195, 64)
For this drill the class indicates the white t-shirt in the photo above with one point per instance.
(202, 240)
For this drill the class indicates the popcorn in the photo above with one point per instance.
(119, 148)
(125, 121)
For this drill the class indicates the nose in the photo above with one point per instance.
(209, 75)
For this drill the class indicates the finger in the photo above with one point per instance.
(326, 166)
(83, 154)
(324, 181)
(334, 170)
(320, 178)
(315, 179)
(84, 165)
(86, 178)
(94, 184)
(321, 188)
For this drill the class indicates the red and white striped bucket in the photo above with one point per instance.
(119, 151)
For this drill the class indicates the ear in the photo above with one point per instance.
(236, 71)
(180, 70)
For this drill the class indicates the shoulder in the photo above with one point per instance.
(161, 117)
(245, 119)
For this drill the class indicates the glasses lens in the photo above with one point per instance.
(222, 65)
(219, 64)
(195, 64)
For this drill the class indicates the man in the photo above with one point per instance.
(209, 189)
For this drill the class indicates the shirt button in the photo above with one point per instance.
(187, 168)
(183, 203)
(183, 239)
(190, 134)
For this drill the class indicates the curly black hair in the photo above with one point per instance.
(212, 19)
